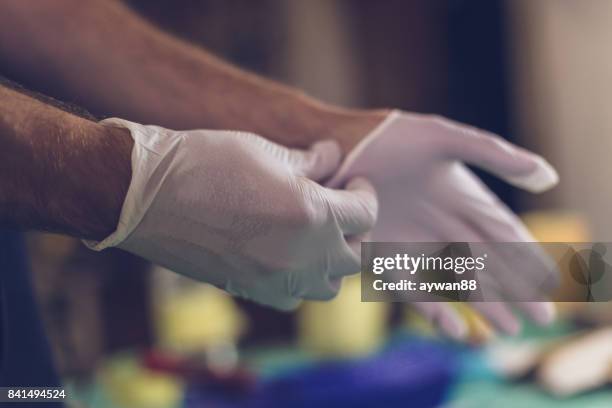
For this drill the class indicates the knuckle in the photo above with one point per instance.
(371, 211)
(367, 208)
(326, 296)
(252, 137)
(309, 209)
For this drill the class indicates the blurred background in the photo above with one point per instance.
(128, 334)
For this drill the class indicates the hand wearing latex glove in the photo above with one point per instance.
(241, 213)
(426, 194)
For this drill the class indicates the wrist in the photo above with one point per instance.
(60, 172)
(113, 149)
(88, 185)
(347, 126)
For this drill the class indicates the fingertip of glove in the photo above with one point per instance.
(368, 196)
(544, 314)
(454, 327)
(542, 178)
(327, 144)
(324, 158)
(328, 148)
(286, 306)
(360, 183)
(450, 322)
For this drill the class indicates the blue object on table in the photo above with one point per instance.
(417, 374)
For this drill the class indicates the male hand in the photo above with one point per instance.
(426, 194)
(242, 213)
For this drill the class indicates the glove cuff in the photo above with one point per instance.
(151, 144)
(340, 177)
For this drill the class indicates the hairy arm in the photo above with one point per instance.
(102, 55)
(59, 172)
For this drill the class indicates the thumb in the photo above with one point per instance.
(356, 207)
(318, 162)
(511, 163)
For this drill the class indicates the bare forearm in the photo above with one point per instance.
(105, 56)
(59, 172)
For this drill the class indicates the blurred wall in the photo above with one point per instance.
(563, 97)
(320, 54)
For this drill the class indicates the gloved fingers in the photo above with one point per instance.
(513, 164)
(317, 163)
(346, 262)
(260, 294)
(499, 315)
(285, 303)
(326, 284)
(494, 220)
(290, 289)
(355, 208)
(530, 274)
(449, 226)
(445, 317)
(323, 290)
(528, 269)
(542, 313)
(355, 242)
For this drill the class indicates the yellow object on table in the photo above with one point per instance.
(193, 317)
(130, 385)
(479, 330)
(344, 326)
(559, 226)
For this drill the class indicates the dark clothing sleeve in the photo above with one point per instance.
(25, 357)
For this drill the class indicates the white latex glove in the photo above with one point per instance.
(241, 213)
(426, 194)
